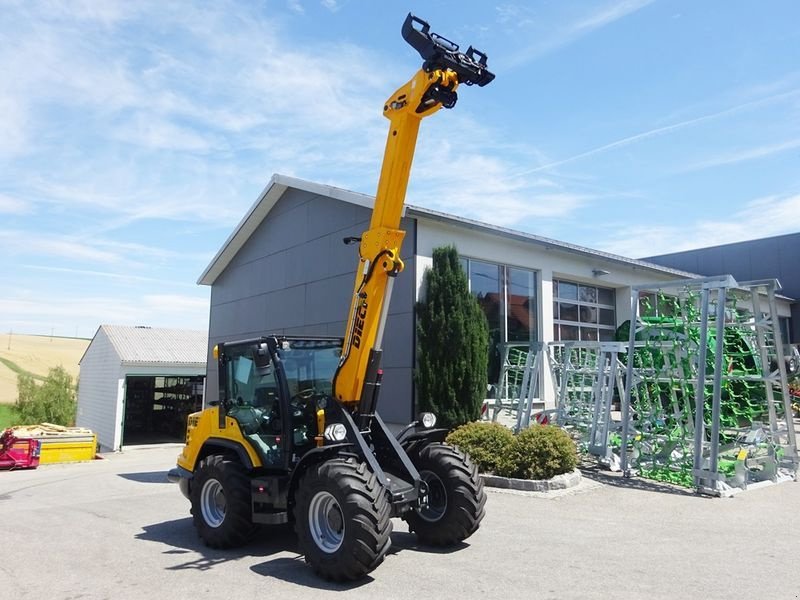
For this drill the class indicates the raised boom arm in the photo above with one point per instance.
(357, 379)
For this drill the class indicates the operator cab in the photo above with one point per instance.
(272, 388)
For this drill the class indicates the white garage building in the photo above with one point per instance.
(137, 384)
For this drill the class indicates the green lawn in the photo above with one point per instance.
(8, 416)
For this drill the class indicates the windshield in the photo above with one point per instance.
(310, 365)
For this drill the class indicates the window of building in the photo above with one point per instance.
(786, 328)
(583, 312)
(508, 298)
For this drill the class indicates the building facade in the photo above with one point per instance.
(285, 269)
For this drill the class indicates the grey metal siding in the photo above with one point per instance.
(776, 257)
(98, 391)
(294, 275)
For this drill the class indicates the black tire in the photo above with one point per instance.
(456, 498)
(342, 519)
(220, 496)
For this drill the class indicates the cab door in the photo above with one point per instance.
(253, 399)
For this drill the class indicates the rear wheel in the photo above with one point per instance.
(456, 498)
(342, 519)
(220, 497)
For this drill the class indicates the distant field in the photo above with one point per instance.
(7, 416)
(36, 355)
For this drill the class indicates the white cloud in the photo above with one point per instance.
(463, 175)
(331, 5)
(160, 134)
(762, 217)
(13, 243)
(607, 14)
(514, 14)
(743, 155)
(13, 126)
(547, 41)
(659, 131)
(122, 276)
(167, 119)
(105, 12)
(14, 206)
(39, 314)
(176, 303)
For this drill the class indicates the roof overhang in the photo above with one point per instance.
(165, 366)
(275, 189)
(547, 243)
(279, 184)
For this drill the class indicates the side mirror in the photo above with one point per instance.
(261, 356)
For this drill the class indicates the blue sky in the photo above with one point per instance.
(135, 135)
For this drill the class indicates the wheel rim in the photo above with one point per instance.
(437, 497)
(213, 503)
(326, 522)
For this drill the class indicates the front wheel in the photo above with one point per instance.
(220, 496)
(342, 519)
(456, 498)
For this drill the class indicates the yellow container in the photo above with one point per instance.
(61, 444)
(67, 451)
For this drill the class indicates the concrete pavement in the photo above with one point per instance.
(116, 529)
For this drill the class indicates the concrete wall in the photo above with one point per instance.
(294, 275)
(768, 258)
(100, 392)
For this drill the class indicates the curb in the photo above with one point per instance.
(559, 482)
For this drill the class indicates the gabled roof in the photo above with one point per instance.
(278, 185)
(154, 345)
(268, 198)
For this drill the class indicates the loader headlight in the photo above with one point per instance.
(335, 432)
(427, 419)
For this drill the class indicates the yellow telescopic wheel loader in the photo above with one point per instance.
(295, 435)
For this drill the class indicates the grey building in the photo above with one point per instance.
(285, 269)
(767, 258)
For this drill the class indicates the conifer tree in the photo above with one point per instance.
(452, 337)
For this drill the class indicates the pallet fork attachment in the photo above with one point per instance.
(440, 53)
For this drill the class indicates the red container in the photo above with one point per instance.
(18, 453)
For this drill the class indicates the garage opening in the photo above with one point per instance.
(156, 407)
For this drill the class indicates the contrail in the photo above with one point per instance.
(659, 131)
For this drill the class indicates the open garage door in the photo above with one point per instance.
(156, 407)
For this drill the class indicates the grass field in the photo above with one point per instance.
(36, 355)
(7, 416)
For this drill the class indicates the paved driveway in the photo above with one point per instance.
(115, 529)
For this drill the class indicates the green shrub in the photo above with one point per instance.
(51, 402)
(486, 443)
(539, 452)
